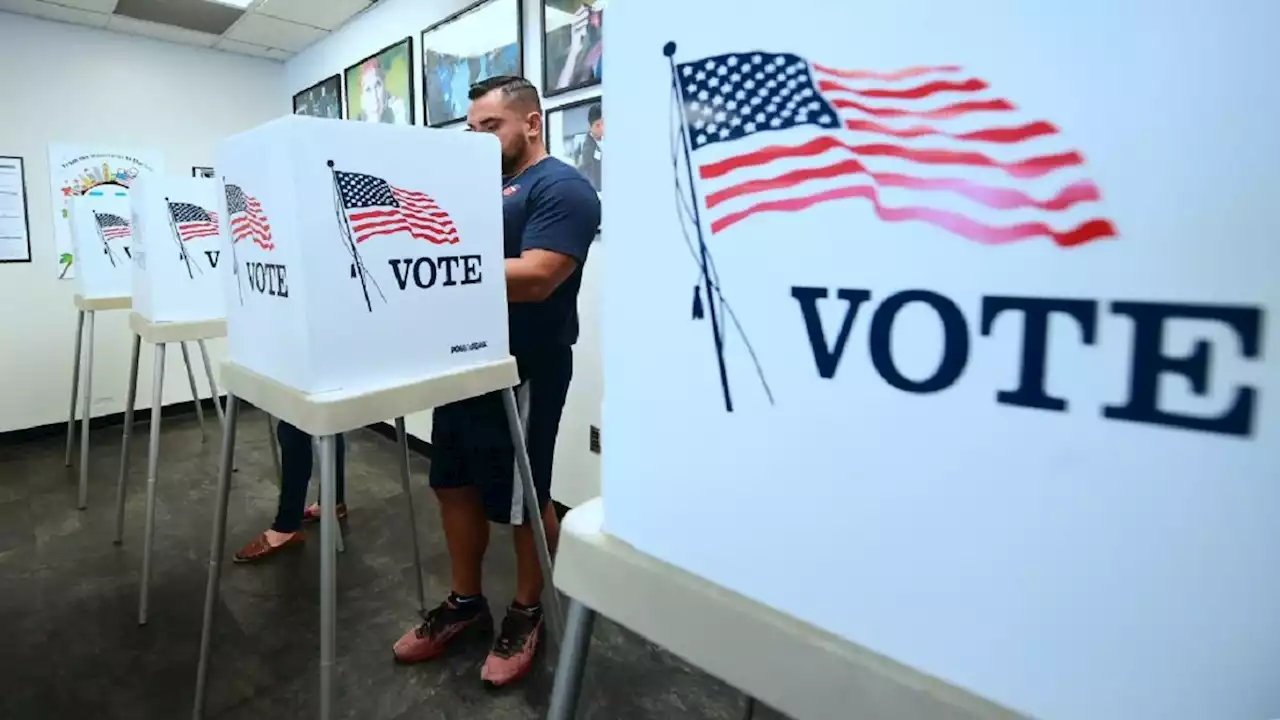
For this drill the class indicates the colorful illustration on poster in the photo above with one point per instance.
(380, 87)
(77, 170)
(460, 51)
(573, 44)
(753, 130)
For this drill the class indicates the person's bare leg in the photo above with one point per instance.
(529, 580)
(466, 532)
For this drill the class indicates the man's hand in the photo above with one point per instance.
(536, 274)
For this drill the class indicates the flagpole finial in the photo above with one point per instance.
(330, 163)
(669, 49)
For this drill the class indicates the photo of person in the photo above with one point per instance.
(572, 44)
(380, 87)
(575, 134)
(480, 42)
(320, 100)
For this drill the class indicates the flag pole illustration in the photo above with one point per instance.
(245, 220)
(358, 270)
(178, 236)
(703, 257)
(110, 227)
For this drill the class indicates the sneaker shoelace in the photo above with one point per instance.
(432, 620)
(517, 626)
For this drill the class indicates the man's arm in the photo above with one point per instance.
(556, 239)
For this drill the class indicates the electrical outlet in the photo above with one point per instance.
(595, 440)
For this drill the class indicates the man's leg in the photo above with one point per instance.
(295, 475)
(466, 532)
(312, 513)
(529, 580)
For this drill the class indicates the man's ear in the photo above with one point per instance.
(535, 123)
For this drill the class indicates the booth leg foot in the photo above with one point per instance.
(217, 546)
(572, 663)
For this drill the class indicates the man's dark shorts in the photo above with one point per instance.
(471, 441)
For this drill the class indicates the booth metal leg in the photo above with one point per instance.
(749, 710)
(153, 459)
(213, 384)
(275, 447)
(75, 386)
(86, 408)
(534, 510)
(195, 391)
(315, 447)
(217, 546)
(572, 663)
(129, 402)
(402, 436)
(328, 569)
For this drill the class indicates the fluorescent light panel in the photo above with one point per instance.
(242, 4)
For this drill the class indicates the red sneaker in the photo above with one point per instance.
(444, 624)
(514, 649)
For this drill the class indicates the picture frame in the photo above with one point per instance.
(570, 138)
(324, 99)
(15, 229)
(450, 66)
(381, 79)
(202, 172)
(572, 45)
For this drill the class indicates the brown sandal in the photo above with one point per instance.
(260, 548)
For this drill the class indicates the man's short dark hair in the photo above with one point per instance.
(514, 89)
(594, 113)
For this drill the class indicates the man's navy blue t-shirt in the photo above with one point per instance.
(549, 206)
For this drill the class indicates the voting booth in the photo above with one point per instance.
(177, 248)
(959, 356)
(368, 284)
(349, 271)
(102, 237)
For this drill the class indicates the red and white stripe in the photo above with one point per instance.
(252, 224)
(417, 215)
(924, 144)
(196, 230)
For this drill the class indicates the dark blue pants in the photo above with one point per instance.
(295, 468)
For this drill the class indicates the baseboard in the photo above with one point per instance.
(141, 415)
(416, 444)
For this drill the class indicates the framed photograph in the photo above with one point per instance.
(572, 44)
(324, 99)
(575, 134)
(477, 43)
(202, 172)
(379, 88)
(15, 219)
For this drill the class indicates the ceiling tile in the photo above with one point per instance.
(102, 6)
(327, 14)
(55, 12)
(241, 48)
(123, 24)
(270, 32)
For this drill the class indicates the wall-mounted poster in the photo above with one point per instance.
(572, 44)
(15, 226)
(79, 170)
(324, 99)
(575, 134)
(380, 87)
(481, 41)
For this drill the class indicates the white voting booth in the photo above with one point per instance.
(368, 284)
(975, 411)
(102, 242)
(177, 299)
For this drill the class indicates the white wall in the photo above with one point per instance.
(577, 470)
(92, 86)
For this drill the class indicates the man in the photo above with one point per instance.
(291, 510)
(591, 162)
(550, 215)
(376, 104)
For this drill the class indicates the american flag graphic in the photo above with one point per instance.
(193, 221)
(113, 227)
(247, 219)
(776, 133)
(375, 207)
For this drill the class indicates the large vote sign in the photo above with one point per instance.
(102, 240)
(363, 255)
(177, 250)
(950, 328)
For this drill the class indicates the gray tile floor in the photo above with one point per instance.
(71, 648)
